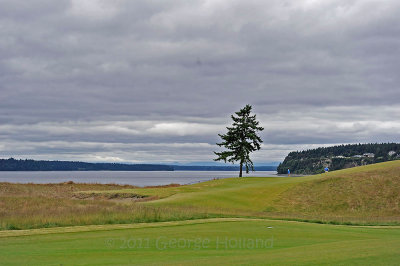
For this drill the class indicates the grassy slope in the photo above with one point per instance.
(252, 194)
(372, 187)
(367, 194)
(293, 243)
(370, 192)
(364, 194)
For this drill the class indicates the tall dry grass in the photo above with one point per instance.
(366, 195)
(25, 206)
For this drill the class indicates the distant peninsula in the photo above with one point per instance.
(314, 161)
(12, 164)
(33, 165)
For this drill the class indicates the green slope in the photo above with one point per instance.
(368, 194)
(233, 195)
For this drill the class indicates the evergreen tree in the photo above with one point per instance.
(241, 139)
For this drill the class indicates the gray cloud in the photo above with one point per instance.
(106, 79)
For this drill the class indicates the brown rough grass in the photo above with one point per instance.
(372, 193)
(25, 206)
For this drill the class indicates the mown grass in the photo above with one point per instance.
(203, 243)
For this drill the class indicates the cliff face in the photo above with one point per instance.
(338, 157)
(317, 165)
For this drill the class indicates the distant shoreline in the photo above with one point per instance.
(136, 178)
(32, 165)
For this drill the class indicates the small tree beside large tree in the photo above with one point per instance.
(241, 139)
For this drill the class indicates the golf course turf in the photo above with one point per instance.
(208, 242)
(248, 222)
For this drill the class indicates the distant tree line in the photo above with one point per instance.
(338, 157)
(32, 165)
(219, 168)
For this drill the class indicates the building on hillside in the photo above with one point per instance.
(357, 156)
(391, 153)
(369, 155)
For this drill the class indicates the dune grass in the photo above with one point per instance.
(369, 192)
(208, 242)
(24, 206)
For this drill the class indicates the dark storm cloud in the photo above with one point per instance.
(76, 76)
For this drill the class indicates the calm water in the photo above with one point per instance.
(137, 178)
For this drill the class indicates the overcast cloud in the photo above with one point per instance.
(155, 81)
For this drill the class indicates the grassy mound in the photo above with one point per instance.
(368, 194)
(371, 191)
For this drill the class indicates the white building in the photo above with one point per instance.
(369, 155)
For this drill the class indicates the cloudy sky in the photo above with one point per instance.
(156, 80)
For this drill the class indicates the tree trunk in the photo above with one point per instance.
(241, 169)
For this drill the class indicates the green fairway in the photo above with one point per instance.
(239, 195)
(213, 242)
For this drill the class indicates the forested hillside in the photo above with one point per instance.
(338, 157)
(32, 165)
